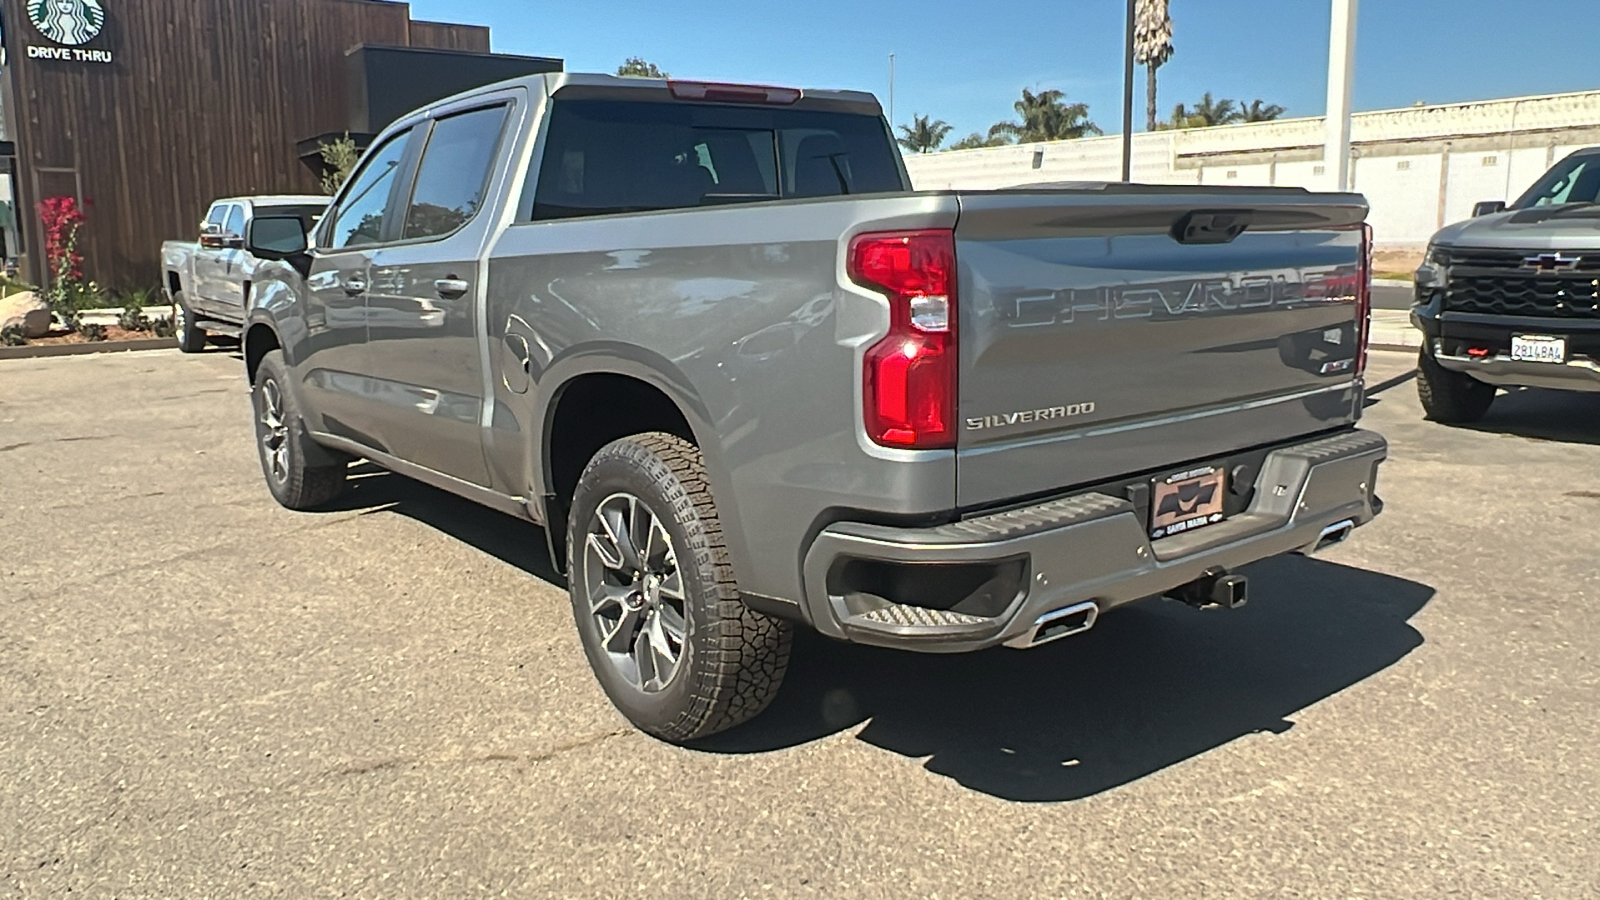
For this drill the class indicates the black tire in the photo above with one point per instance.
(731, 659)
(290, 460)
(1451, 398)
(191, 337)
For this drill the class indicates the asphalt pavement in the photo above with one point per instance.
(204, 695)
(1386, 296)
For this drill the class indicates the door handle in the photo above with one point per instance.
(451, 288)
(354, 286)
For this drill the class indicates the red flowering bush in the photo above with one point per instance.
(62, 219)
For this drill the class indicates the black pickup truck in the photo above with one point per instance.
(1511, 297)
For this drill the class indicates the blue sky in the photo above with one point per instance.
(965, 62)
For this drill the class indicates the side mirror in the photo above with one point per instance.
(1487, 207)
(277, 237)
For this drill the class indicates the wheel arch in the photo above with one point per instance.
(260, 338)
(654, 395)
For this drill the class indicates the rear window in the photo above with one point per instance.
(616, 156)
(309, 216)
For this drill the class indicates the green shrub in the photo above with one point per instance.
(13, 336)
(92, 332)
(133, 317)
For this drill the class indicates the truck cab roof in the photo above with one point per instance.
(597, 86)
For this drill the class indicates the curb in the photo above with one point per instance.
(40, 351)
(110, 315)
(1399, 348)
(1393, 282)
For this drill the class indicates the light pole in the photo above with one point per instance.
(891, 90)
(1127, 98)
(1341, 72)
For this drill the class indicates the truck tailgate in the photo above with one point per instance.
(1110, 332)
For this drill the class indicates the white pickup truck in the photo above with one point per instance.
(208, 281)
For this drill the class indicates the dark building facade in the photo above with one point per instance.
(147, 110)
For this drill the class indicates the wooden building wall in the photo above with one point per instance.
(445, 36)
(204, 99)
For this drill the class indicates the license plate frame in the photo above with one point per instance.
(1549, 349)
(1188, 500)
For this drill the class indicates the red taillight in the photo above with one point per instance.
(1364, 298)
(910, 380)
(734, 93)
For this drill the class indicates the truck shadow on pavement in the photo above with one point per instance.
(1374, 391)
(1154, 684)
(512, 541)
(1568, 417)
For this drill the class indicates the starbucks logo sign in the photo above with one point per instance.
(68, 22)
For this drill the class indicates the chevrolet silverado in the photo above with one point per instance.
(747, 379)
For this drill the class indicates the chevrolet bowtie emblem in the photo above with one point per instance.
(1550, 262)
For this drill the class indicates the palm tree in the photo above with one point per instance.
(1207, 113)
(1258, 111)
(1046, 116)
(975, 141)
(923, 136)
(1152, 43)
(1181, 118)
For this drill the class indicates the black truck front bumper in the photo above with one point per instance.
(1480, 346)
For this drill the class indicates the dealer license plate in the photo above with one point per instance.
(1186, 501)
(1538, 348)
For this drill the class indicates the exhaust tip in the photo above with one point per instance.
(1334, 534)
(1056, 625)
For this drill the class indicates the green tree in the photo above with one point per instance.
(1152, 47)
(923, 135)
(339, 158)
(1207, 113)
(1259, 111)
(975, 141)
(639, 67)
(1046, 116)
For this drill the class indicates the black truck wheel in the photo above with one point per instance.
(1451, 398)
(191, 337)
(659, 614)
(299, 474)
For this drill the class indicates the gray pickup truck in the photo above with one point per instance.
(1511, 297)
(746, 378)
(208, 280)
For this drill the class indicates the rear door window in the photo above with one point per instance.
(617, 156)
(454, 173)
(235, 224)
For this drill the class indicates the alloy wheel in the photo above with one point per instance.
(635, 591)
(274, 431)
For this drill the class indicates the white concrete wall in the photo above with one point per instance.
(1420, 168)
